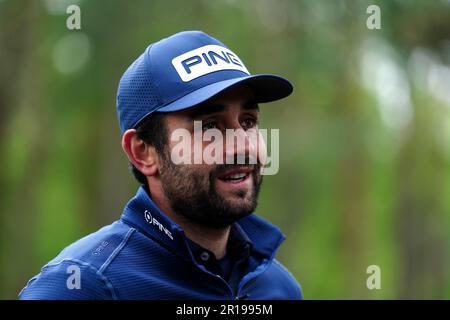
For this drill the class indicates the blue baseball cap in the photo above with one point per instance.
(184, 70)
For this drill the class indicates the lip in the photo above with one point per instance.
(238, 170)
(236, 185)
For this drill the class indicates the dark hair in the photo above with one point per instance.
(152, 131)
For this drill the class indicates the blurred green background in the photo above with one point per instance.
(364, 140)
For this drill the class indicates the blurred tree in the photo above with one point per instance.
(364, 140)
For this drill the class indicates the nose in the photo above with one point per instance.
(241, 146)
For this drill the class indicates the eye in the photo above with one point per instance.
(209, 125)
(249, 123)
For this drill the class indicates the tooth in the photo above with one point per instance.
(236, 176)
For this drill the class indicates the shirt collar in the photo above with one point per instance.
(142, 213)
(239, 246)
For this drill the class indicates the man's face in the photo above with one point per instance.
(214, 195)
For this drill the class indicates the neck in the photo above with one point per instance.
(215, 240)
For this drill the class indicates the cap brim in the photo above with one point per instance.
(266, 87)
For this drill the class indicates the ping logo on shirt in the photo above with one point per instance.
(152, 221)
(204, 60)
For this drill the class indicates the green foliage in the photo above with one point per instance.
(365, 139)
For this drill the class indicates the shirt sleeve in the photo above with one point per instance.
(68, 280)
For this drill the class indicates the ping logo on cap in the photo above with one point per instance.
(204, 60)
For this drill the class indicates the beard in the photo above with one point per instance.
(192, 192)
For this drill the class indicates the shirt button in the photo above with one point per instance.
(204, 256)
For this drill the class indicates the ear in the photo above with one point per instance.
(140, 154)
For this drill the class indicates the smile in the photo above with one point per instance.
(236, 178)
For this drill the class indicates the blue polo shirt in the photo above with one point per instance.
(145, 255)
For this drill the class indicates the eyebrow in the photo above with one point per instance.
(206, 109)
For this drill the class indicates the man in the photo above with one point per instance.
(190, 231)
